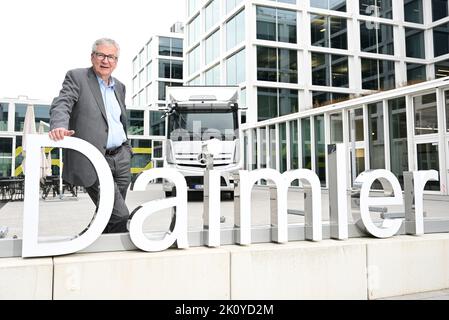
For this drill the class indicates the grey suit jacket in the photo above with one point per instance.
(80, 107)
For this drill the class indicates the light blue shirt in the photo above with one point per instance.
(116, 133)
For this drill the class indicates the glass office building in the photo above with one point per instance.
(158, 64)
(297, 58)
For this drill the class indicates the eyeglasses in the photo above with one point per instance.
(109, 57)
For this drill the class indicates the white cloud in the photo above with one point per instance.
(42, 39)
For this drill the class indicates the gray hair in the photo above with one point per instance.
(105, 41)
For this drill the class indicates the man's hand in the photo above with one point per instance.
(59, 133)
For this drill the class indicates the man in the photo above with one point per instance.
(91, 106)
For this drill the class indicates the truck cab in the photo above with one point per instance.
(202, 123)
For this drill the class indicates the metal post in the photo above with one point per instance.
(338, 207)
(60, 173)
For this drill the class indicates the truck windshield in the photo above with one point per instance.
(200, 125)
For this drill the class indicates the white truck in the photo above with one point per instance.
(202, 122)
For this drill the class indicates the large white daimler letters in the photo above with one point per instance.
(31, 247)
(363, 182)
(179, 233)
(244, 181)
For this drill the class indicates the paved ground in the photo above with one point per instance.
(69, 216)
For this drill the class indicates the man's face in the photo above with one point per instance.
(104, 60)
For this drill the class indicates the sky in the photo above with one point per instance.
(40, 40)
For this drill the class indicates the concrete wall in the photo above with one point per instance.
(352, 269)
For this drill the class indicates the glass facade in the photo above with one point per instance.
(306, 144)
(170, 47)
(439, 9)
(336, 5)
(376, 135)
(397, 116)
(329, 31)
(413, 11)
(378, 74)
(212, 47)
(414, 43)
(4, 116)
(157, 125)
(376, 8)
(376, 37)
(330, 70)
(235, 30)
(235, 68)
(135, 122)
(211, 14)
(441, 40)
(416, 73)
(276, 24)
(275, 64)
(425, 110)
(276, 102)
(442, 69)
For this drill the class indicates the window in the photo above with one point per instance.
(4, 116)
(427, 156)
(336, 5)
(413, 11)
(157, 125)
(414, 43)
(376, 8)
(170, 69)
(328, 31)
(323, 98)
(439, 9)
(194, 60)
(212, 47)
(194, 31)
(416, 73)
(275, 64)
(336, 127)
(442, 69)
(376, 135)
(211, 14)
(320, 149)
(376, 37)
(149, 48)
(276, 24)
(19, 117)
(176, 47)
(164, 46)
(231, 4)
(5, 157)
(192, 6)
(135, 67)
(425, 107)
(235, 68)
(398, 137)
(306, 144)
(135, 122)
(283, 147)
(149, 70)
(294, 160)
(170, 47)
(162, 88)
(329, 70)
(212, 76)
(273, 102)
(235, 30)
(378, 74)
(441, 40)
(41, 113)
(142, 156)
